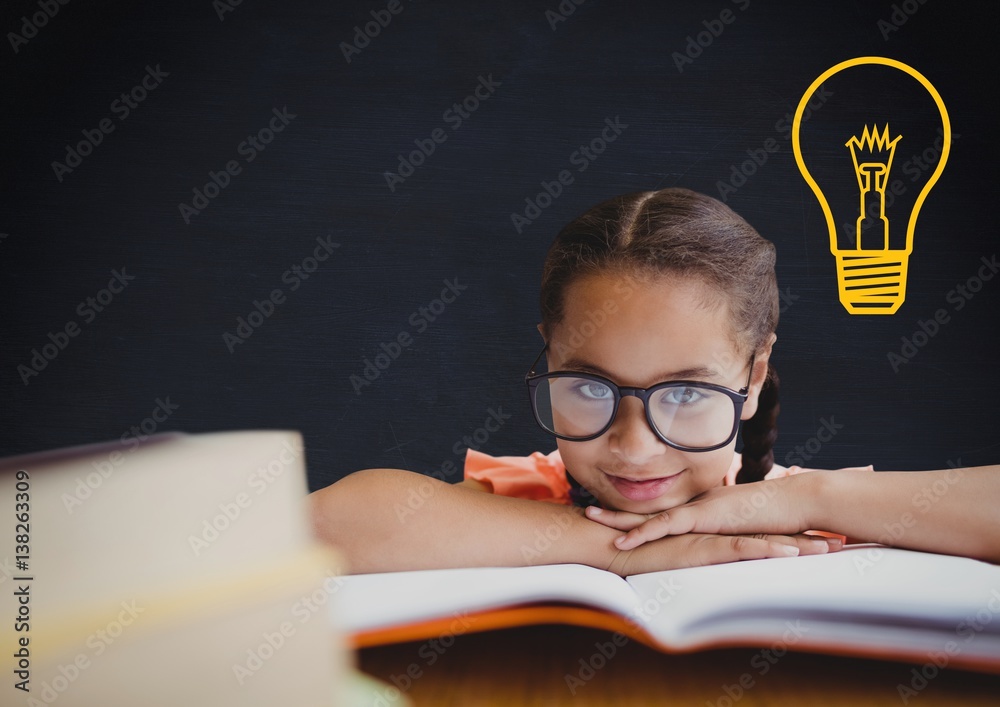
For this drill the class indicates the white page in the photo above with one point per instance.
(862, 584)
(370, 601)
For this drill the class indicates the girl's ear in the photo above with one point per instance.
(541, 330)
(757, 377)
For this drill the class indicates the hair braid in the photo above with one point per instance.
(760, 432)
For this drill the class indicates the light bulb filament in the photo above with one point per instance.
(872, 154)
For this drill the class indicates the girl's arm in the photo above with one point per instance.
(950, 511)
(386, 520)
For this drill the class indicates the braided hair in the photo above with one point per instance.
(760, 432)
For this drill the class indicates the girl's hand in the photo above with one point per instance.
(782, 505)
(696, 550)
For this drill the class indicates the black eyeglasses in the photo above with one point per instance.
(688, 415)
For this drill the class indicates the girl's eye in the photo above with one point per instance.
(682, 396)
(593, 390)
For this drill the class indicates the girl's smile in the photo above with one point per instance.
(642, 488)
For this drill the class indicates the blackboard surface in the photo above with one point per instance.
(189, 164)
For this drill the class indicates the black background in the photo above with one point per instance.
(323, 176)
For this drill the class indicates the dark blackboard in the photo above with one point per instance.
(277, 137)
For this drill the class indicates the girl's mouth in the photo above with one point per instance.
(644, 490)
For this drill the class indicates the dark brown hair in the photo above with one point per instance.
(680, 232)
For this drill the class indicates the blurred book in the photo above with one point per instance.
(179, 570)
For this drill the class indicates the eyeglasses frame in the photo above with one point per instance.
(739, 398)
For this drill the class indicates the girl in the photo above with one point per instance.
(658, 315)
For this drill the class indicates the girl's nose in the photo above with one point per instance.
(631, 437)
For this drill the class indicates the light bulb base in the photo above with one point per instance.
(872, 281)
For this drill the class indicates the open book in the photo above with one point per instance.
(866, 600)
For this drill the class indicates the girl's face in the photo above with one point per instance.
(652, 330)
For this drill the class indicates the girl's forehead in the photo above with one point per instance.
(667, 300)
(643, 330)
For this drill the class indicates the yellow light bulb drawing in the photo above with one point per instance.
(871, 275)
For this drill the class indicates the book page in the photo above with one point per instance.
(372, 601)
(854, 590)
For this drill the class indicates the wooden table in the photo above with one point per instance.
(557, 664)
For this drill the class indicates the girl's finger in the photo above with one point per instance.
(676, 521)
(717, 549)
(622, 520)
(807, 544)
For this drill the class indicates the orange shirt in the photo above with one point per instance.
(542, 477)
